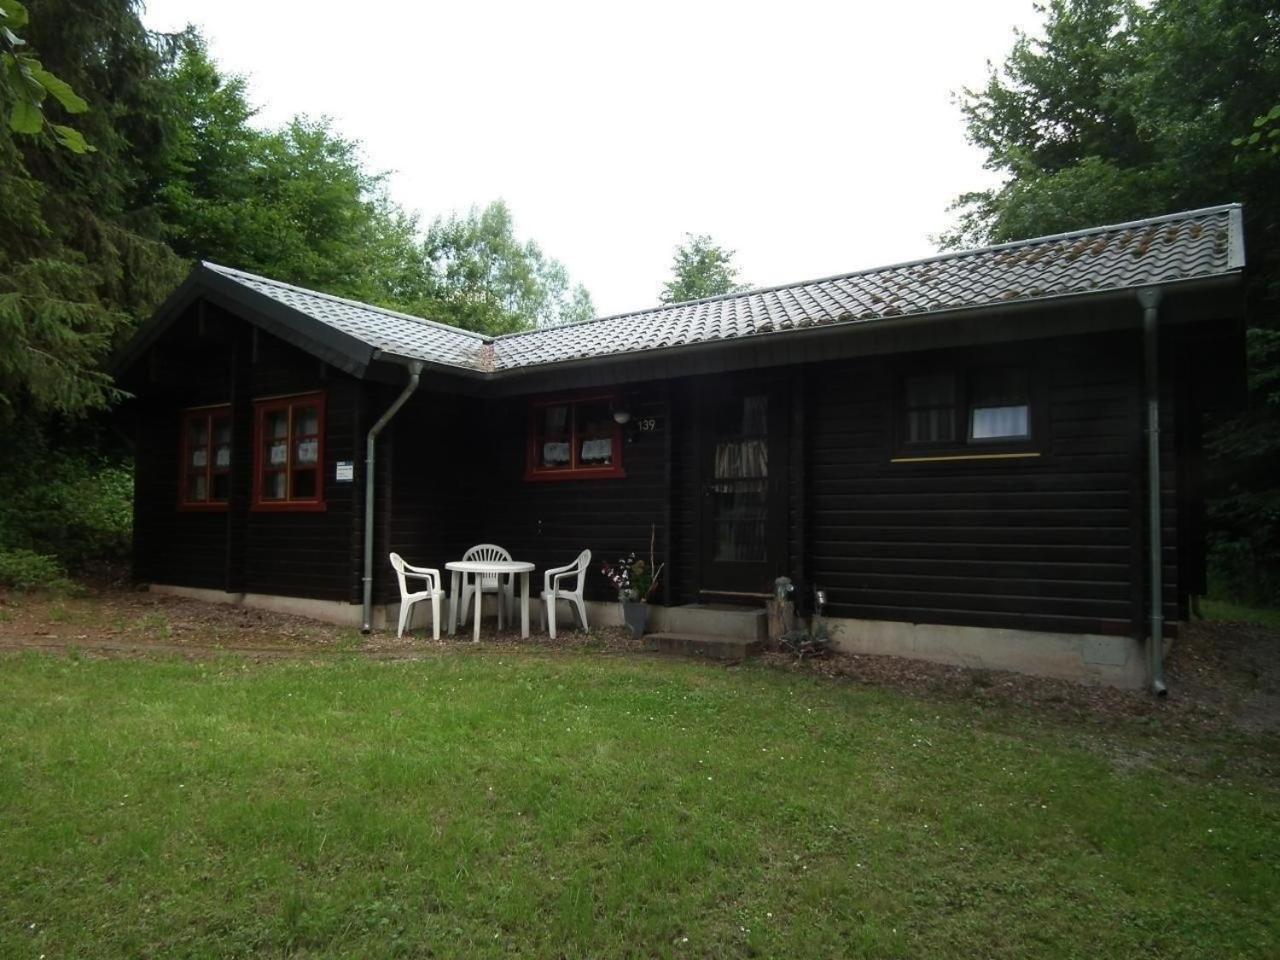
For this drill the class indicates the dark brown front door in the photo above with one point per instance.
(743, 474)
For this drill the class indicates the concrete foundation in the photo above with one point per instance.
(1084, 658)
(329, 611)
(386, 616)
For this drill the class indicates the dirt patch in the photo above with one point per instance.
(120, 622)
(1221, 675)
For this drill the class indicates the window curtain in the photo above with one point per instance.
(741, 459)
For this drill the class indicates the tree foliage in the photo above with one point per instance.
(701, 268)
(1126, 110)
(91, 241)
(80, 253)
(484, 278)
(296, 203)
(25, 85)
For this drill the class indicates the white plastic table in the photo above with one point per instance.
(459, 568)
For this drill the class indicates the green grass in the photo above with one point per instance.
(522, 804)
(1226, 610)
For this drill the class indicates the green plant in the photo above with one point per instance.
(24, 569)
(62, 499)
(154, 623)
(803, 644)
(350, 640)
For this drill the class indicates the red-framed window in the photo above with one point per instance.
(205, 481)
(288, 465)
(574, 438)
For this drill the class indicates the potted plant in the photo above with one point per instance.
(635, 581)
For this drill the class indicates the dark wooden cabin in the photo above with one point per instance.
(957, 444)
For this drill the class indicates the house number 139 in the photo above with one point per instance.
(648, 425)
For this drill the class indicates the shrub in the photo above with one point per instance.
(72, 504)
(27, 570)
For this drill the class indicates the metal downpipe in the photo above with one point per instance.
(370, 447)
(1149, 298)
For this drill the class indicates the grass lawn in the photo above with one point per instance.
(1226, 610)
(501, 803)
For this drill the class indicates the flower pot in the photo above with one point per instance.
(635, 614)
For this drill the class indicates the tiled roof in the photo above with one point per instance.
(1178, 247)
(382, 329)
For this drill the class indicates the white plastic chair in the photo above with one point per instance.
(555, 588)
(487, 583)
(434, 593)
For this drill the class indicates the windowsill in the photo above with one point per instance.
(982, 453)
(594, 473)
(202, 507)
(294, 506)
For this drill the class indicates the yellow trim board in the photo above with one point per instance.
(966, 456)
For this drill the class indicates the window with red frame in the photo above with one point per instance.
(206, 458)
(573, 439)
(289, 453)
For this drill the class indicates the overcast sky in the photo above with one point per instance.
(812, 138)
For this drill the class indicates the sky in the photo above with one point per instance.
(811, 138)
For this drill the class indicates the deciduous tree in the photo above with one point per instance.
(1124, 110)
(700, 268)
(485, 278)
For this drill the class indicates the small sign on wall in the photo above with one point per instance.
(346, 471)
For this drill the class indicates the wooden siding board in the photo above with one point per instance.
(1043, 543)
(465, 485)
(239, 550)
(1049, 543)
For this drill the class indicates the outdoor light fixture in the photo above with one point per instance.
(622, 417)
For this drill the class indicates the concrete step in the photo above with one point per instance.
(711, 646)
(713, 619)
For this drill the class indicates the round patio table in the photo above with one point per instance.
(479, 568)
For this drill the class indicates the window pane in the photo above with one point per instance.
(306, 451)
(595, 433)
(222, 443)
(993, 423)
(221, 487)
(197, 432)
(755, 416)
(739, 510)
(936, 390)
(738, 459)
(197, 490)
(273, 486)
(306, 421)
(999, 388)
(931, 426)
(276, 424)
(999, 406)
(552, 435)
(930, 404)
(304, 485)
